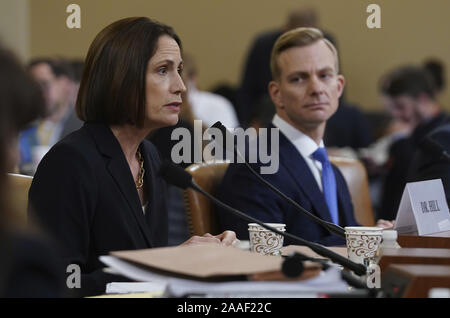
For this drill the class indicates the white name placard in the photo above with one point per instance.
(423, 209)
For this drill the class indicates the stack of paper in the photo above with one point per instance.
(205, 270)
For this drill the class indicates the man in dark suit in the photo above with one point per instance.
(59, 88)
(305, 90)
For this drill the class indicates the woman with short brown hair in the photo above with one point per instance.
(98, 190)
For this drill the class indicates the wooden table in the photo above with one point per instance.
(412, 281)
(438, 240)
(430, 256)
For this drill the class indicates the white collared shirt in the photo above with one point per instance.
(304, 144)
(209, 108)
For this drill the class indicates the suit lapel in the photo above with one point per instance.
(120, 171)
(150, 181)
(293, 162)
(345, 216)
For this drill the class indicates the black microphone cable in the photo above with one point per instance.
(430, 145)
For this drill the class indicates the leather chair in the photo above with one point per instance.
(200, 211)
(18, 195)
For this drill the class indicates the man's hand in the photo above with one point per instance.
(385, 224)
(226, 238)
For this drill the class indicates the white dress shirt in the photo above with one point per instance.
(209, 108)
(305, 145)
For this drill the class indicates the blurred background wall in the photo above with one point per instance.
(218, 33)
(15, 26)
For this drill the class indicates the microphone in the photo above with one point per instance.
(293, 267)
(177, 176)
(331, 227)
(435, 148)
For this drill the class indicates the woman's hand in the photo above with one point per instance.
(227, 238)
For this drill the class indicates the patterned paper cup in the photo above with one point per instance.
(363, 243)
(264, 241)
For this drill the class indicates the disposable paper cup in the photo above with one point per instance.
(264, 241)
(363, 243)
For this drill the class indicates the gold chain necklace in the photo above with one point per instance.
(140, 178)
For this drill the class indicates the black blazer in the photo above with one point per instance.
(84, 195)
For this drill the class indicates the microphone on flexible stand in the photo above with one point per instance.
(331, 227)
(293, 267)
(177, 176)
(435, 148)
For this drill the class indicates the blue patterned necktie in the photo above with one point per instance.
(328, 183)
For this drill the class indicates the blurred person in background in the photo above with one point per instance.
(207, 106)
(411, 93)
(437, 70)
(55, 77)
(430, 161)
(28, 265)
(72, 121)
(399, 122)
(77, 66)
